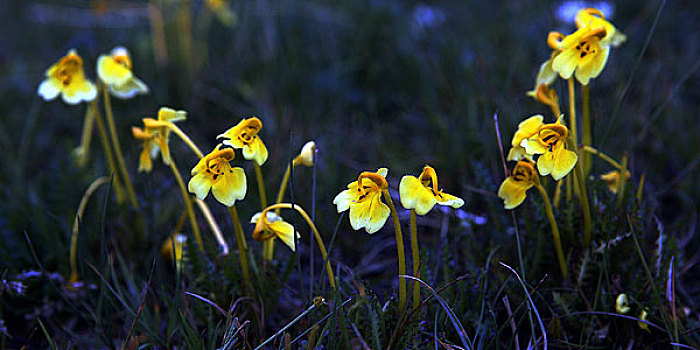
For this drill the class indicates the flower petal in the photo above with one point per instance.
(426, 202)
(131, 88)
(512, 192)
(450, 200)
(533, 146)
(111, 72)
(199, 185)
(284, 231)
(409, 189)
(545, 163)
(343, 200)
(565, 63)
(256, 150)
(564, 161)
(527, 128)
(230, 187)
(378, 214)
(49, 89)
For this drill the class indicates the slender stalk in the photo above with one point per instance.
(583, 197)
(174, 128)
(268, 246)
(204, 208)
(586, 136)
(602, 156)
(557, 194)
(283, 187)
(116, 182)
(117, 148)
(401, 253)
(76, 226)
(188, 204)
(622, 181)
(242, 246)
(572, 111)
(415, 257)
(317, 235)
(82, 152)
(555, 231)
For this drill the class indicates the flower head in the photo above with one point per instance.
(513, 188)
(155, 136)
(550, 142)
(526, 129)
(364, 199)
(67, 78)
(595, 19)
(612, 178)
(115, 71)
(245, 135)
(622, 304)
(422, 193)
(306, 156)
(269, 225)
(214, 172)
(581, 52)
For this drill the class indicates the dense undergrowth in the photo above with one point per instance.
(375, 84)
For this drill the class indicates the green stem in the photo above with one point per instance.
(416, 258)
(583, 197)
(572, 111)
(116, 182)
(555, 232)
(76, 226)
(269, 245)
(586, 137)
(400, 248)
(188, 204)
(117, 148)
(242, 246)
(82, 153)
(602, 156)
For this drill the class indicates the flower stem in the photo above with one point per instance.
(586, 137)
(583, 197)
(602, 156)
(555, 232)
(117, 148)
(204, 208)
(242, 246)
(82, 152)
(416, 258)
(269, 245)
(116, 182)
(401, 253)
(76, 226)
(174, 128)
(317, 235)
(572, 111)
(188, 205)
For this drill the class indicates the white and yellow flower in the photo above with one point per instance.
(364, 199)
(214, 172)
(245, 136)
(422, 193)
(67, 78)
(115, 71)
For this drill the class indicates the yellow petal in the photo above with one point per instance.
(344, 199)
(80, 89)
(111, 72)
(513, 192)
(145, 163)
(515, 153)
(284, 231)
(199, 185)
(230, 187)
(564, 161)
(409, 189)
(383, 172)
(426, 202)
(565, 63)
(129, 89)
(306, 156)
(255, 151)
(171, 115)
(49, 89)
(450, 200)
(370, 214)
(533, 146)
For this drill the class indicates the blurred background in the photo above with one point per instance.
(376, 83)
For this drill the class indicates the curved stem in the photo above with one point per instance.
(602, 156)
(174, 128)
(188, 205)
(317, 235)
(416, 258)
(82, 152)
(116, 182)
(586, 136)
(204, 208)
(399, 247)
(242, 246)
(555, 231)
(76, 226)
(117, 148)
(269, 245)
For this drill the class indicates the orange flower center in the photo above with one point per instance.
(217, 163)
(124, 60)
(551, 135)
(67, 68)
(523, 172)
(249, 131)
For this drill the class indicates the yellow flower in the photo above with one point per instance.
(245, 135)
(526, 129)
(595, 19)
(417, 193)
(115, 71)
(214, 172)
(306, 156)
(580, 52)
(643, 316)
(155, 136)
(271, 225)
(622, 304)
(66, 77)
(546, 75)
(364, 199)
(612, 178)
(513, 188)
(550, 142)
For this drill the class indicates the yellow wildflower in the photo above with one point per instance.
(245, 135)
(514, 187)
(115, 71)
(214, 172)
(550, 142)
(306, 156)
(612, 178)
(595, 19)
(417, 193)
(581, 52)
(622, 304)
(155, 136)
(364, 199)
(269, 225)
(526, 129)
(66, 77)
